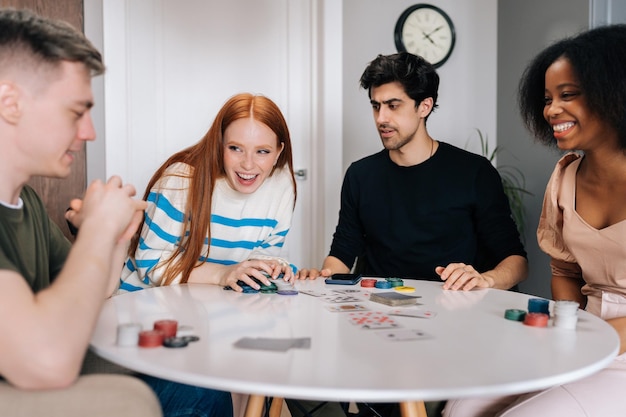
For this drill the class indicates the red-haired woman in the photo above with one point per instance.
(219, 211)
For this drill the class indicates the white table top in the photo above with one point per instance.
(473, 350)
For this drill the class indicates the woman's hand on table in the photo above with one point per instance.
(279, 268)
(245, 272)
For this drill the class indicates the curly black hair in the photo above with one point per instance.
(598, 59)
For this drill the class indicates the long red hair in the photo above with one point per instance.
(206, 159)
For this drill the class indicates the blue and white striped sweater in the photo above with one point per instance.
(242, 225)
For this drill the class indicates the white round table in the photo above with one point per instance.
(471, 349)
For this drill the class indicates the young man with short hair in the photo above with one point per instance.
(51, 291)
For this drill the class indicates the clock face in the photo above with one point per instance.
(426, 31)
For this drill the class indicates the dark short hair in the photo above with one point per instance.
(416, 75)
(27, 38)
(598, 59)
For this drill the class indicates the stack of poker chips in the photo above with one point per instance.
(538, 312)
(382, 283)
(165, 333)
(565, 314)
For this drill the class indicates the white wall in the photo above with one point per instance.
(346, 36)
(467, 92)
(172, 65)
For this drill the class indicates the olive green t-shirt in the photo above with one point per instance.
(30, 242)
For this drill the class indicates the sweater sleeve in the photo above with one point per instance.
(160, 233)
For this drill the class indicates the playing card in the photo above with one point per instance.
(273, 344)
(335, 299)
(372, 320)
(422, 314)
(314, 293)
(347, 291)
(346, 308)
(400, 335)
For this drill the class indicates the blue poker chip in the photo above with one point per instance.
(249, 290)
(383, 284)
(287, 292)
(539, 305)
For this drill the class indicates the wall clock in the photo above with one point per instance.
(427, 31)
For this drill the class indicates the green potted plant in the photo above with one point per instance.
(513, 182)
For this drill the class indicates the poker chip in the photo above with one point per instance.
(565, 322)
(565, 314)
(515, 314)
(190, 338)
(269, 291)
(287, 292)
(536, 319)
(539, 305)
(150, 338)
(128, 334)
(566, 307)
(249, 290)
(368, 282)
(396, 283)
(404, 289)
(383, 284)
(175, 342)
(167, 327)
(393, 279)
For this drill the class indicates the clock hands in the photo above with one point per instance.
(427, 35)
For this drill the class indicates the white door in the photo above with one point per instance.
(172, 64)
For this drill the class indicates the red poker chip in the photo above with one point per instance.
(368, 282)
(150, 338)
(536, 319)
(167, 327)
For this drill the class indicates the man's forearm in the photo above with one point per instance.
(510, 271)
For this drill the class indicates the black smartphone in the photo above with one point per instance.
(343, 279)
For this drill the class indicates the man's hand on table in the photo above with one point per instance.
(459, 276)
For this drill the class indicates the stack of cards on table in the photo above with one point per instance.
(393, 298)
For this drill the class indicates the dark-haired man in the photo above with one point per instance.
(420, 207)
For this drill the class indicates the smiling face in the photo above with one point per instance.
(55, 120)
(250, 151)
(575, 126)
(396, 116)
